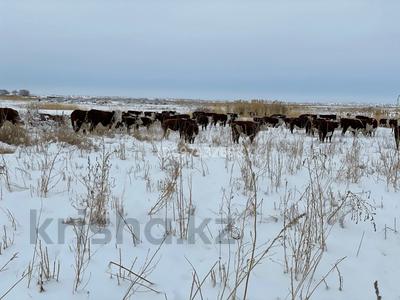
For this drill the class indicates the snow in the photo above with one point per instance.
(286, 166)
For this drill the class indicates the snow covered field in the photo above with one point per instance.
(284, 218)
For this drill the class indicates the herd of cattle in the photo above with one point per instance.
(188, 125)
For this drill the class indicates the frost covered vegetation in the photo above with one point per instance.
(115, 216)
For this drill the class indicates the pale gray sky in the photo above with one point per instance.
(315, 50)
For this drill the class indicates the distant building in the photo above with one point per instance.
(24, 93)
(4, 92)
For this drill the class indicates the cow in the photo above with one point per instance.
(370, 124)
(129, 120)
(145, 122)
(203, 121)
(59, 119)
(149, 114)
(268, 121)
(353, 125)
(248, 128)
(78, 118)
(393, 123)
(325, 128)
(288, 121)
(188, 129)
(232, 117)
(105, 118)
(384, 122)
(171, 124)
(303, 121)
(219, 118)
(397, 136)
(198, 113)
(11, 115)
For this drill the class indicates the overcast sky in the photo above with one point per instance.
(305, 50)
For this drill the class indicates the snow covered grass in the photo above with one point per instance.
(118, 216)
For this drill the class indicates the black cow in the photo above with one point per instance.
(203, 121)
(397, 136)
(188, 129)
(11, 115)
(303, 121)
(248, 128)
(219, 118)
(325, 128)
(353, 125)
(78, 118)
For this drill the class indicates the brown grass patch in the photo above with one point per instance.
(254, 107)
(51, 106)
(14, 135)
(66, 136)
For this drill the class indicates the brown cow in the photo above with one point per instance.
(248, 128)
(11, 115)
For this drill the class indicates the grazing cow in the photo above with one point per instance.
(129, 120)
(171, 124)
(303, 121)
(269, 121)
(397, 136)
(145, 122)
(370, 124)
(219, 118)
(105, 118)
(78, 118)
(325, 128)
(188, 129)
(288, 121)
(11, 115)
(353, 125)
(203, 121)
(248, 128)
(59, 119)
(198, 113)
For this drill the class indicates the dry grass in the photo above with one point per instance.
(14, 135)
(254, 107)
(66, 136)
(34, 105)
(18, 98)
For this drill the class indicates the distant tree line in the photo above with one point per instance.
(22, 92)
